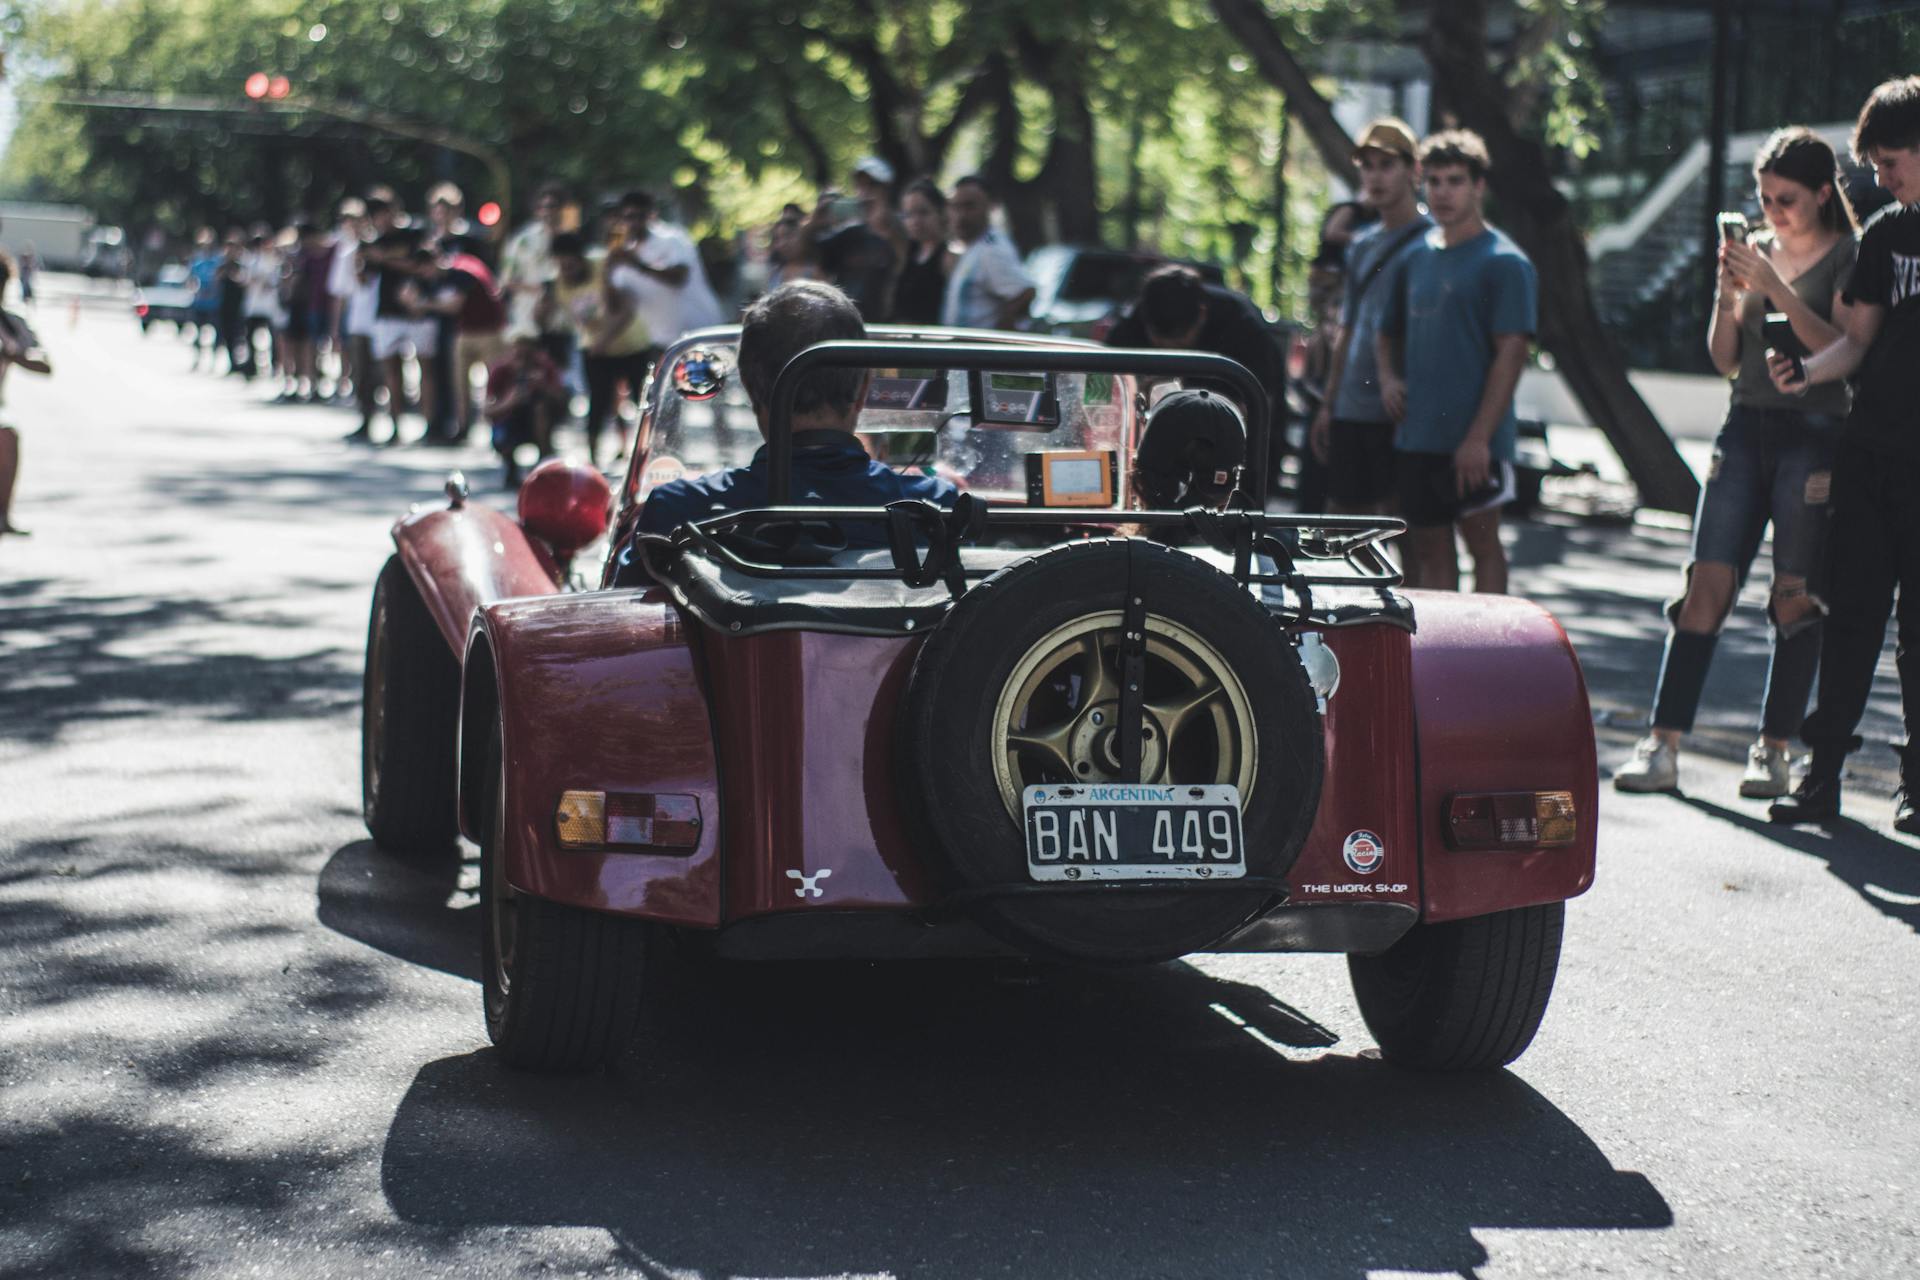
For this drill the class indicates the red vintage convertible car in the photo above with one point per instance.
(1049, 722)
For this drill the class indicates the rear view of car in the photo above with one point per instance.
(1105, 709)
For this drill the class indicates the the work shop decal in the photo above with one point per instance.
(1365, 854)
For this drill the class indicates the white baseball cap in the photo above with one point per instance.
(876, 168)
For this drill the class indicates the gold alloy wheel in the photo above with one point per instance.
(1056, 717)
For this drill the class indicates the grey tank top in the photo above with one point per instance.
(1816, 286)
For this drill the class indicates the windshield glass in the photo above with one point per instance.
(913, 420)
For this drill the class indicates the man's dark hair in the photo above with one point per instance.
(304, 228)
(639, 200)
(551, 188)
(377, 204)
(976, 180)
(1171, 299)
(1457, 146)
(1891, 119)
(785, 322)
(568, 244)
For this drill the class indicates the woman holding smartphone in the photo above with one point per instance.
(1772, 461)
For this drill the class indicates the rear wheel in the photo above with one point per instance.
(562, 986)
(1467, 995)
(409, 722)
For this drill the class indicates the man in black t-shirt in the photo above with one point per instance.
(1177, 310)
(1874, 545)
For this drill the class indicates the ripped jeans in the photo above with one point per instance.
(1769, 465)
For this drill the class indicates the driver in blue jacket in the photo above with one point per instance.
(830, 465)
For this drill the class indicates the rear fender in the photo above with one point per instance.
(593, 691)
(1499, 704)
(464, 557)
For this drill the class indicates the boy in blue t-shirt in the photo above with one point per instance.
(1453, 340)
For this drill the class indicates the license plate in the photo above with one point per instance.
(1131, 831)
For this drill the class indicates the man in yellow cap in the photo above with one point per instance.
(1353, 433)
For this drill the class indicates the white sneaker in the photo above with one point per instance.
(1655, 767)
(1767, 770)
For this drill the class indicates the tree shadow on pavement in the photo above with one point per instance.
(160, 1060)
(414, 908)
(926, 1120)
(1608, 585)
(1885, 872)
(68, 659)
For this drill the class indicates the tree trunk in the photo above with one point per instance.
(1283, 145)
(1070, 179)
(1539, 218)
(1250, 25)
(1130, 204)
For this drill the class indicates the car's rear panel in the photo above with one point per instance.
(594, 692)
(806, 723)
(797, 764)
(1500, 705)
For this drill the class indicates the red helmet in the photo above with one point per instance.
(564, 505)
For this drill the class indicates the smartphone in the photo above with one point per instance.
(1778, 332)
(1733, 227)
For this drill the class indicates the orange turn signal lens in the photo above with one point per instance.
(1512, 820)
(627, 820)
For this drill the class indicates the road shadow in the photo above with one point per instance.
(69, 659)
(411, 907)
(1607, 586)
(927, 1120)
(1885, 872)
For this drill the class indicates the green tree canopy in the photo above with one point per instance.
(1099, 120)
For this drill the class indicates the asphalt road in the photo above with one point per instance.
(234, 1040)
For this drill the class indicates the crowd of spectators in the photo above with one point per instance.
(396, 316)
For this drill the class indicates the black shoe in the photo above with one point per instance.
(1906, 817)
(1816, 799)
(362, 434)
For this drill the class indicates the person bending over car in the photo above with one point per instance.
(830, 465)
(1177, 310)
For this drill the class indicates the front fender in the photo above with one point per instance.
(592, 691)
(465, 557)
(1499, 704)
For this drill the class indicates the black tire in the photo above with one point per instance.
(409, 723)
(561, 986)
(1467, 995)
(965, 669)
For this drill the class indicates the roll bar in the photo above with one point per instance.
(995, 358)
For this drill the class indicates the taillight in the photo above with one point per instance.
(1511, 820)
(140, 309)
(627, 820)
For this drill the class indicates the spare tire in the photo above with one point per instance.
(1019, 685)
